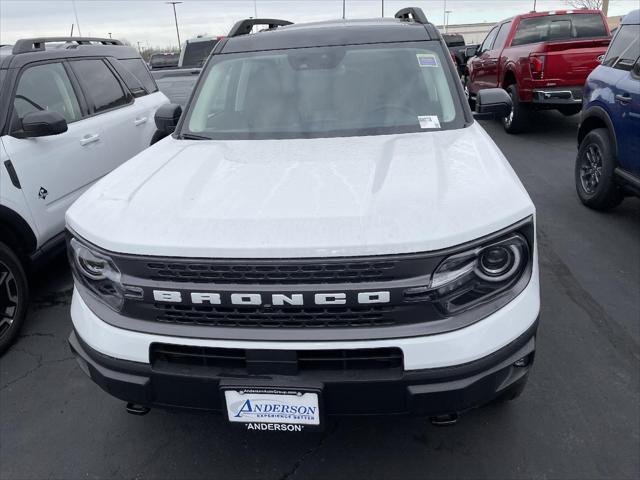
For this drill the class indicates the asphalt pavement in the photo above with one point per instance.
(578, 418)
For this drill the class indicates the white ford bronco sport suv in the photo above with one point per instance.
(327, 231)
(71, 110)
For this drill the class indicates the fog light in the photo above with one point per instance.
(523, 362)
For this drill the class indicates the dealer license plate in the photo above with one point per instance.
(284, 409)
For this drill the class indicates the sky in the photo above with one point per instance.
(151, 22)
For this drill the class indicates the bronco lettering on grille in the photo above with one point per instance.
(276, 299)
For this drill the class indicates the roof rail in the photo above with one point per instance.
(412, 13)
(244, 27)
(27, 45)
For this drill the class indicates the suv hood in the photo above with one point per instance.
(304, 197)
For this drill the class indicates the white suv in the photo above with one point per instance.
(327, 232)
(71, 110)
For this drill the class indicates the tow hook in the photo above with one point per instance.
(444, 420)
(135, 409)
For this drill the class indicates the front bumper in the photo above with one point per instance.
(428, 392)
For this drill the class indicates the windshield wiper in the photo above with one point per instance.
(193, 136)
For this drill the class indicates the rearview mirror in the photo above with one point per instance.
(43, 123)
(167, 117)
(493, 103)
(470, 51)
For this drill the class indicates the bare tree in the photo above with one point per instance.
(590, 4)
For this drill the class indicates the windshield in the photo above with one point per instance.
(326, 91)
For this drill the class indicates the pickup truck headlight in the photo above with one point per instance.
(97, 272)
(480, 274)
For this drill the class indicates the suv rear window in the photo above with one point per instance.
(141, 72)
(326, 91)
(100, 84)
(551, 28)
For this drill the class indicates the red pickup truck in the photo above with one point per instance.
(541, 58)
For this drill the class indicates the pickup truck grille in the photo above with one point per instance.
(311, 317)
(284, 272)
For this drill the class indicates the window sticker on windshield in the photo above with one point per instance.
(429, 121)
(427, 60)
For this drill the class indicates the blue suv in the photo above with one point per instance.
(608, 162)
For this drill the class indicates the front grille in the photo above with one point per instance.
(297, 317)
(273, 272)
(275, 361)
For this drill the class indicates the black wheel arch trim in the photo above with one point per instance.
(601, 114)
(19, 229)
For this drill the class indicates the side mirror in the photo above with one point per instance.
(43, 123)
(470, 51)
(493, 103)
(167, 117)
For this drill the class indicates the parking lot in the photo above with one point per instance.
(578, 418)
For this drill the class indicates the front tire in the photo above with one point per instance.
(14, 296)
(518, 121)
(594, 171)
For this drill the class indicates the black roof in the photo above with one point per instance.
(331, 33)
(19, 55)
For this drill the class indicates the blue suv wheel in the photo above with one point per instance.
(595, 167)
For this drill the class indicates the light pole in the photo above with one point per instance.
(75, 12)
(109, 34)
(382, 8)
(444, 15)
(175, 17)
(446, 24)
(534, 5)
(343, 9)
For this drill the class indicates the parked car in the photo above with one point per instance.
(608, 162)
(542, 59)
(326, 231)
(458, 48)
(71, 110)
(195, 51)
(178, 82)
(161, 61)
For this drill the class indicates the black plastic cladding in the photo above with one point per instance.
(351, 321)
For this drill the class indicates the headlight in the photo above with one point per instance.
(480, 274)
(97, 272)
